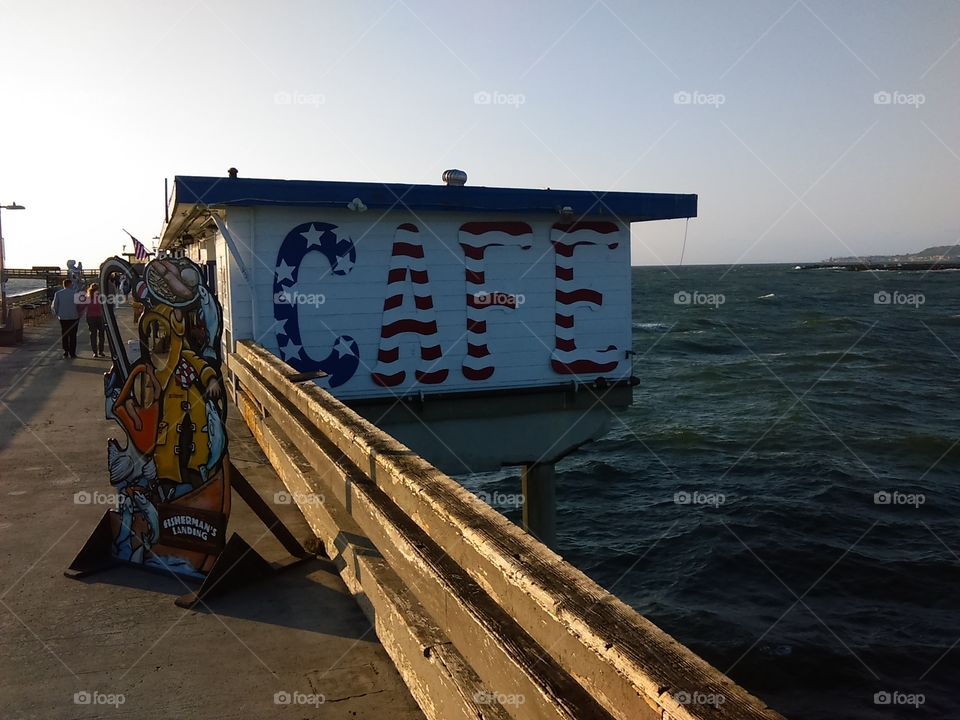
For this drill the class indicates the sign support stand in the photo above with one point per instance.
(237, 565)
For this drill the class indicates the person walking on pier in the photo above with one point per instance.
(64, 306)
(93, 309)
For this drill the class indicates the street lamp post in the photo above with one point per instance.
(3, 271)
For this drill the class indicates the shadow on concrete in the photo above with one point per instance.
(32, 371)
(77, 365)
(309, 596)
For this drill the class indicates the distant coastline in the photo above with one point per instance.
(939, 257)
(932, 255)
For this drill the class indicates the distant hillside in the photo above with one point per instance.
(930, 254)
(946, 251)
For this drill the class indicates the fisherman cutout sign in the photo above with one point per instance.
(166, 394)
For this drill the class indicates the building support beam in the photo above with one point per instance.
(539, 488)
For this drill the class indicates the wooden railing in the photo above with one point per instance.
(45, 273)
(481, 620)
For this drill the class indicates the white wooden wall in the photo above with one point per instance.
(522, 342)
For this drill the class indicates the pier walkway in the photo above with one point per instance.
(118, 634)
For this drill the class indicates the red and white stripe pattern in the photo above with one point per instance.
(140, 251)
(408, 308)
(475, 238)
(567, 359)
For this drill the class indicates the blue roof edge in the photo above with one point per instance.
(626, 206)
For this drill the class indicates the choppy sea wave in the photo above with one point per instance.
(829, 424)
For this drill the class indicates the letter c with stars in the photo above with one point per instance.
(344, 358)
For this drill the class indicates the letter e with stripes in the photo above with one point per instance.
(571, 295)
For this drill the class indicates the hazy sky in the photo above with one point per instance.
(792, 153)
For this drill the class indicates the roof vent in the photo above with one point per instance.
(232, 172)
(454, 177)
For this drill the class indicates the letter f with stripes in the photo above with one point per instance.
(475, 238)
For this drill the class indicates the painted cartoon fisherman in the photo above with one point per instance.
(187, 382)
(183, 429)
(171, 405)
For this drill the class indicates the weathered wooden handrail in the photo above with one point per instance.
(44, 273)
(528, 624)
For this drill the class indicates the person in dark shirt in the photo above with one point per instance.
(93, 310)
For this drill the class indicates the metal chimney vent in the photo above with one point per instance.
(454, 177)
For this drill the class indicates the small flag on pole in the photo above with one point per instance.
(140, 251)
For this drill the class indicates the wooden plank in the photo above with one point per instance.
(505, 657)
(632, 667)
(441, 681)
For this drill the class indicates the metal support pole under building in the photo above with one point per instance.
(539, 486)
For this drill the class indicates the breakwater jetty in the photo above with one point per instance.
(883, 266)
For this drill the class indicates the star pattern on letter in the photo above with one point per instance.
(312, 236)
(285, 273)
(343, 348)
(291, 350)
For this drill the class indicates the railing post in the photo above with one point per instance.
(538, 485)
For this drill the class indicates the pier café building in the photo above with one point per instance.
(480, 326)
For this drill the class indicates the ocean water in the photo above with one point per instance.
(17, 286)
(782, 497)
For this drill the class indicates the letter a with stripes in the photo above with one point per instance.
(408, 310)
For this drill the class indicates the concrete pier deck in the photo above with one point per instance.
(117, 635)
